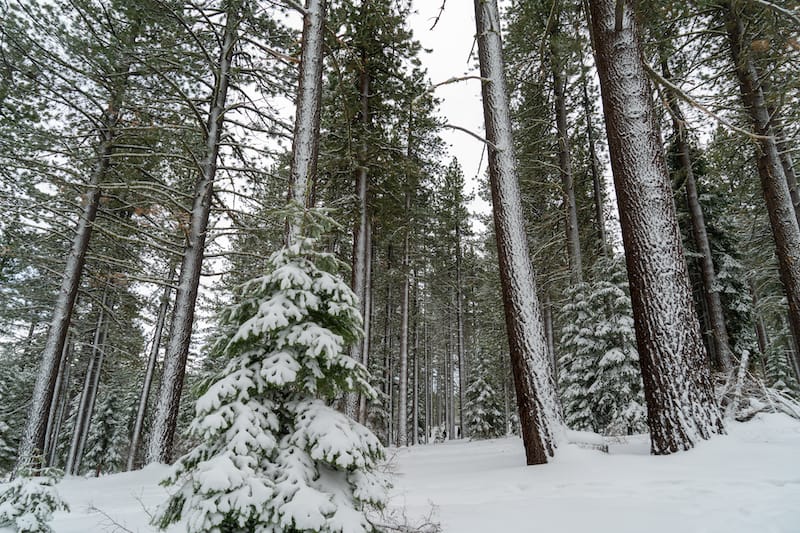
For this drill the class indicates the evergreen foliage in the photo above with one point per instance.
(107, 439)
(28, 502)
(273, 456)
(599, 378)
(484, 415)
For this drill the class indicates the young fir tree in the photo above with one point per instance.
(578, 361)
(600, 380)
(617, 390)
(273, 456)
(778, 370)
(484, 415)
(107, 438)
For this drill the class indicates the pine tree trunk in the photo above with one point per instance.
(155, 346)
(784, 152)
(565, 159)
(594, 165)
(402, 392)
(32, 442)
(781, 210)
(361, 227)
(462, 359)
(426, 356)
(387, 349)
(60, 397)
(538, 408)
(83, 418)
(548, 331)
(680, 401)
(761, 330)
(415, 380)
(305, 142)
(169, 396)
(711, 295)
(362, 400)
(451, 384)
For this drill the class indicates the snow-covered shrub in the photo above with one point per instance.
(599, 378)
(28, 502)
(274, 456)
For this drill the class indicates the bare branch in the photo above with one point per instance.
(438, 16)
(468, 132)
(694, 103)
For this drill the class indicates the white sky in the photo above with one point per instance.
(450, 43)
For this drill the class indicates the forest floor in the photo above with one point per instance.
(745, 482)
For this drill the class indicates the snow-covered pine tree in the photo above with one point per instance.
(273, 456)
(108, 437)
(600, 380)
(578, 360)
(778, 370)
(484, 416)
(27, 503)
(617, 395)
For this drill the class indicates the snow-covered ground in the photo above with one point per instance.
(746, 482)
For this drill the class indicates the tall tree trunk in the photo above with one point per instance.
(166, 415)
(144, 396)
(83, 418)
(32, 443)
(402, 389)
(761, 330)
(782, 215)
(362, 224)
(784, 151)
(462, 359)
(387, 349)
(548, 331)
(305, 142)
(426, 357)
(365, 348)
(536, 400)
(716, 316)
(60, 398)
(594, 164)
(565, 158)
(415, 379)
(680, 401)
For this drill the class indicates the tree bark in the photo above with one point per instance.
(680, 401)
(536, 400)
(427, 378)
(780, 208)
(83, 418)
(362, 400)
(305, 142)
(60, 398)
(166, 415)
(547, 310)
(565, 159)
(416, 360)
(141, 410)
(402, 389)
(462, 360)
(594, 165)
(716, 317)
(362, 224)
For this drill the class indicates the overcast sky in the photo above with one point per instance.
(450, 43)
